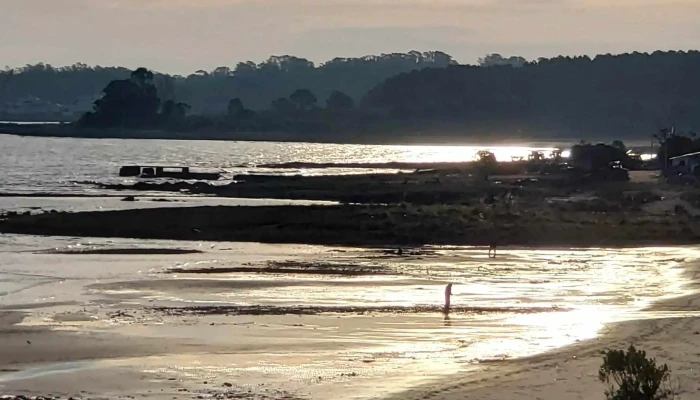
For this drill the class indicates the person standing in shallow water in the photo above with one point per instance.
(492, 248)
(448, 295)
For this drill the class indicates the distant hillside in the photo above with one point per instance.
(614, 96)
(404, 97)
(256, 85)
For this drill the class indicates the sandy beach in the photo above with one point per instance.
(668, 330)
(117, 317)
(571, 373)
(233, 291)
(186, 325)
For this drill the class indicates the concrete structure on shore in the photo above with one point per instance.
(686, 163)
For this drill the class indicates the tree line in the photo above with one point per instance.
(135, 103)
(209, 92)
(606, 96)
(629, 95)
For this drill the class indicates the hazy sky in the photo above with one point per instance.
(181, 36)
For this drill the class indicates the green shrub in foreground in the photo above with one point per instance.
(632, 376)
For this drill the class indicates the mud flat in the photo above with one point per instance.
(132, 251)
(447, 206)
(310, 310)
(370, 225)
(668, 331)
(133, 328)
(445, 186)
(294, 267)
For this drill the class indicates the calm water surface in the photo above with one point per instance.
(54, 164)
(594, 286)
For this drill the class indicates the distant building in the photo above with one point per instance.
(82, 104)
(30, 105)
(31, 108)
(686, 163)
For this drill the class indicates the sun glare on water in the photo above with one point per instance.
(429, 154)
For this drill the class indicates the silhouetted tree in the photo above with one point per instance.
(142, 77)
(486, 163)
(5, 78)
(491, 60)
(241, 119)
(256, 84)
(303, 99)
(283, 106)
(618, 144)
(173, 114)
(536, 156)
(486, 157)
(245, 70)
(221, 72)
(62, 85)
(556, 155)
(673, 144)
(627, 95)
(165, 85)
(128, 103)
(235, 108)
(339, 101)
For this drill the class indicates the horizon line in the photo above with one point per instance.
(317, 65)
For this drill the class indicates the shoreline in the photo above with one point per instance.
(358, 226)
(464, 212)
(217, 325)
(54, 195)
(407, 138)
(441, 207)
(570, 372)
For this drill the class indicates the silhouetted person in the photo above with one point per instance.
(448, 295)
(448, 321)
(492, 248)
(399, 251)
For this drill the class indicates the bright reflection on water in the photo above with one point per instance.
(598, 286)
(54, 164)
(389, 352)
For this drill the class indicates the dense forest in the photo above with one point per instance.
(135, 103)
(614, 96)
(209, 92)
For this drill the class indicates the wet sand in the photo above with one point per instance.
(668, 330)
(439, 207)
(26, 345)
(42, 203)
(293, 267)
(134, 328)
(671, 335)
(368, 225)
(121, 251)
(307, 310)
